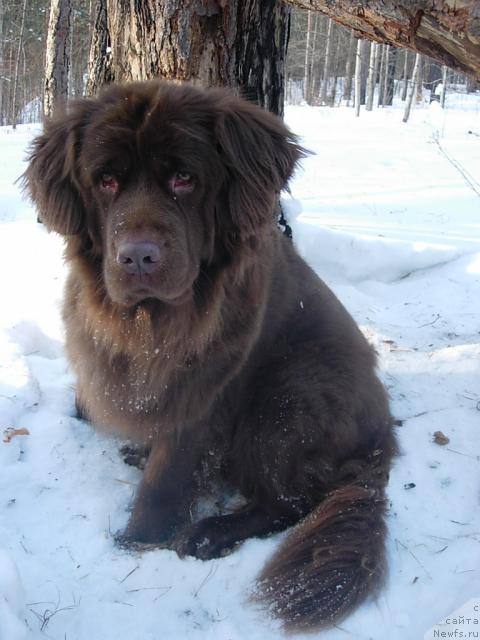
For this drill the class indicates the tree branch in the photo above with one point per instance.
(446, 30)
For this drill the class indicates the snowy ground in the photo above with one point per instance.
(390, 218)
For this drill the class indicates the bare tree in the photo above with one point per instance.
(57, 56)
(326, 64)
(372, 74)
(2, 54)
(405, 76)
(358, 77)
(14, 112)
(413, 88)
(444, 86)
(347, 90)
(382, 73)
(307, 82)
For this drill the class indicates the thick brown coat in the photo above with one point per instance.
(218, 348)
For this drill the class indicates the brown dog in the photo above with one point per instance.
(195, 329)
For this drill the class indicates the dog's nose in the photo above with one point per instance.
(139, 258)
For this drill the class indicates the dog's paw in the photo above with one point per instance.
(134, 455)
(126, 543)
(204, 540)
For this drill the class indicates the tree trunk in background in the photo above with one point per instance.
(390, 76)
(381, 75)
(307, 79)
(347, 89)
(326, 64)
(2, 59)
(100, 58)
(446, 30)
(371, 75)
(386, 66)
(358, 77)
(420, 77)
(313, 87)
(57, 60)
(444, 86)
(240, 44)
(333, 93)
(413, 88)
(14, 112)
(472, 85)
(405, 77)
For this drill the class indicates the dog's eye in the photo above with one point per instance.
(181, 182)
(108, 183)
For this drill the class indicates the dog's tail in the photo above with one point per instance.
(334, 558)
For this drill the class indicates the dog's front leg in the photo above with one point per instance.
(163, 501)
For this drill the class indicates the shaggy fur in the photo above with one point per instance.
(196, 330)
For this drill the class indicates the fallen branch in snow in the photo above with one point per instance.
(212, 571)
(48, 614)
(165, 590)
(11, 433)
(470, 180)
(404, 546)
(460, 453)
(129, 574)
(429, 324)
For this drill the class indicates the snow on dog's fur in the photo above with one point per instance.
(196, 330)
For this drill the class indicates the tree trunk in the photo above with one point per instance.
(413, 88)
(57, 62)
(472, 85)
(100, 58)
(381, 76)
(2, 61)
(443, 94)
(386, 66)
(333, 94)
(326, 64)
(446, 30)
(358, 77)
(240, 44)
(17, 67)
(390, 76)
(420, 76)
(307, 76)
(371, 75)
(347, 89)
(405, 77)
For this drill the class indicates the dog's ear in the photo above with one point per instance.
(259, 154)
(51, 179)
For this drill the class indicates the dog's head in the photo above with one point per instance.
(156, 180)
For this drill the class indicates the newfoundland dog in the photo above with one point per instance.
(195, 330)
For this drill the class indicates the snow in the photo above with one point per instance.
(388, 214)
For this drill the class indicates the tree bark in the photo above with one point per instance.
(2, 60)
(372, 74)
(413, 88)
(443, 94)
(17, 67)
(57, 60)
(358, 77)
(446, 30)
(347, 90)
(405, 77)
(381, 75)
(307, 79)
(240, 44)
(100, 58)
(326, 64)
(389, 88)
